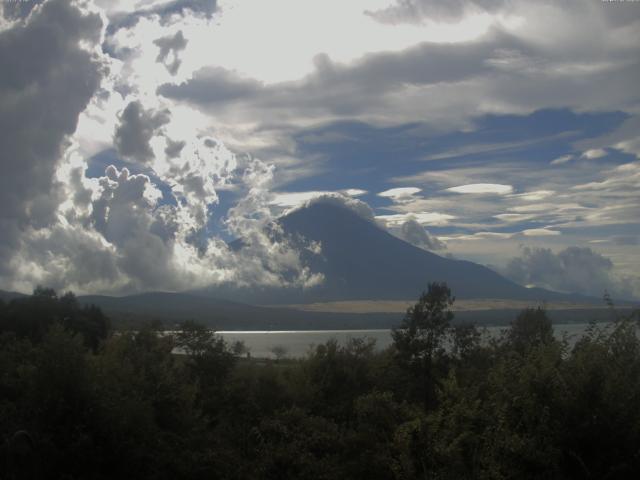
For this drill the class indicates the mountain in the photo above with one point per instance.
(360, 260)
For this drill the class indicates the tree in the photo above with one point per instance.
(209, 361)
(531, 328)
(279, 351)
(420, 339)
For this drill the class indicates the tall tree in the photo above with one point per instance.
(420, 338)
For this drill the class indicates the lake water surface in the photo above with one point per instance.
(298, 343)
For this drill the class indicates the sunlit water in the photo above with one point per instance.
(298, 343)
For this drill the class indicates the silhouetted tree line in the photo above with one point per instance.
(80, 402)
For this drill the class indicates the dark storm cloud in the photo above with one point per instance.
(47, 80)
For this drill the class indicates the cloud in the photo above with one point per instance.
(416, 11)
(574, 269)
(594, 153)
(297, 199)
(212, 85)
(169, 47)
(52, 68)
(355, 192)
(562, 159)
(145, 227)
(411, 231)
(539, 232)
(482, 188)
(619, 240)
(625, 240)
(400, 194)
(511, 69)
(267, 256)
(13, 10)
(353, 204)
(137, 127)
(625, 138)
(123, 16)
(535, 195)
(423, 218)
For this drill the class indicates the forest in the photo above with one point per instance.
(80, 400)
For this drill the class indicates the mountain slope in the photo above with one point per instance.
(7, 296)
(362, 261)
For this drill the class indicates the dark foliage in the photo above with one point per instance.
(443, 402)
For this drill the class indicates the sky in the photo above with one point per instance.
(139, 136)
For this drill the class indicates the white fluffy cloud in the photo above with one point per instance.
(411, 231)
(400, 194)
(124, 231)
(574, 269)
(51, 69)
(336, 198)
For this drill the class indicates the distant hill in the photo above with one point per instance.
(360, 260)
(172, 308)
(7, 296)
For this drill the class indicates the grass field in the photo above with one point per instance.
(400, 306)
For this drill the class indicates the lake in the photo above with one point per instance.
(298, 343)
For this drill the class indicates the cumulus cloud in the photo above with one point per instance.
(137, 127)
(124, 231)
(574, 269)
(411, 231)
(51, 70)
(267, 256)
